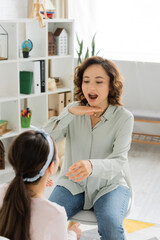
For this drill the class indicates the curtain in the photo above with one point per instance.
(61, 7)
(126, 29)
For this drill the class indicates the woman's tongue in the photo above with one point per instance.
(92, 96)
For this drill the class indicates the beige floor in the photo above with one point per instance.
(145, 169)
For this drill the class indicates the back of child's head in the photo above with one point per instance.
(29, 153)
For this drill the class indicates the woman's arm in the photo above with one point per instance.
(57, 126)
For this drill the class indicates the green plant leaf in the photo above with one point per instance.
(93, 45)
(81, 47)
(77, 39)
(87, 54)
(97, 52)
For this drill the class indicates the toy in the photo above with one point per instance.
(50, 9)
(27, 46)
(51, 84)
(36, 8)
(61, 37)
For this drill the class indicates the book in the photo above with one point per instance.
(26, 78)
(42, 74)
(34, 66)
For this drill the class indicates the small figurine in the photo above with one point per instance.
(36, 8)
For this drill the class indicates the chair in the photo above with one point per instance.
(87, 217)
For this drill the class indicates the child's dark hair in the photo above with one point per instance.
(27, 155)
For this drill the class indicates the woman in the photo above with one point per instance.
(24, 212)
(98, 132)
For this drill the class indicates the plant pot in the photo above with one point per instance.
(25, 54)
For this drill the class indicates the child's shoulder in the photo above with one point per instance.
(3, 188)
(48, 206)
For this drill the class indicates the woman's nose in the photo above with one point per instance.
(91, 86)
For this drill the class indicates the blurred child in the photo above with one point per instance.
(24, 211)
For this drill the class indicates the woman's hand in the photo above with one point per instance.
(76, 229)
(79, 170)
(85, 110)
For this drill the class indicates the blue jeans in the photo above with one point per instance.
(110, 209)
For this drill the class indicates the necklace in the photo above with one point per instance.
(95, 115)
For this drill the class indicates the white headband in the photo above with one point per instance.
(49, 158)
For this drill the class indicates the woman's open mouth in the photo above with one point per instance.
(92, 96)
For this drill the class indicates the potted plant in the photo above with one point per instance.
(81, 58)
(26, 51)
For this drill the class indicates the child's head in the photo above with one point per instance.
(111, 71)
(31, 154)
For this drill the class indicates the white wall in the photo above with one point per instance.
(10, 9)
(141, 92)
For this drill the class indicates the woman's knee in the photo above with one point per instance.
(110, 228)
(71, 203)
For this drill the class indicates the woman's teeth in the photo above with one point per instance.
(92, 96)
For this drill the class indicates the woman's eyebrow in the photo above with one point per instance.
(85, 77)
(100, 77)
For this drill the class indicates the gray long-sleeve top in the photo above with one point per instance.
(106, 146)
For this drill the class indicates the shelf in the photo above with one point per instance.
(8, 61)
(9, 134)
(23, 96)
(61, 66)
(59, 56)
(15, 133)
(60, 90)
(32, 59)
(146, 138)
(7, 99)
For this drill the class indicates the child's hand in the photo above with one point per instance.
(49, 182)
(76, 229)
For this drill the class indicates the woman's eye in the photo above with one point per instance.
(99, 82)
(85, 81)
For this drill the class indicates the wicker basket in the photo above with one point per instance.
(2, 156)
(3, 126)
(51, 44)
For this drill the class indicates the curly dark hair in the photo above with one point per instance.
(116, 80)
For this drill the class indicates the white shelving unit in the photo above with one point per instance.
(11, 101)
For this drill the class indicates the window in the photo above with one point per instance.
(126, 29)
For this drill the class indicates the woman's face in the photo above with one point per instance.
(95, 86)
